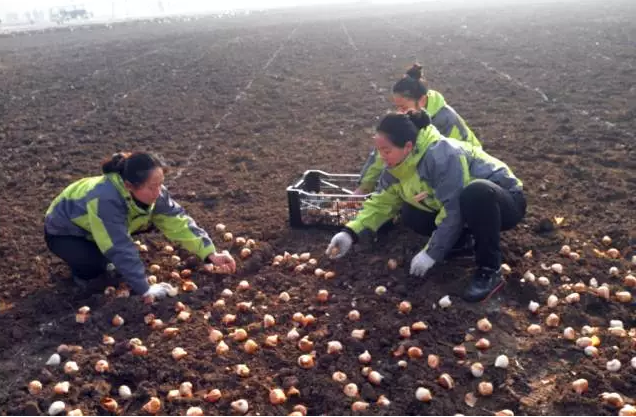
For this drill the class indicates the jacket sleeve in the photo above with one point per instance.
(447, 173)
(371, 172)
(178, 227)
(107, 220)
(377, 209)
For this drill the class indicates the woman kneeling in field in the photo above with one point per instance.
(411, 94)
(450, 185)
(89, 225)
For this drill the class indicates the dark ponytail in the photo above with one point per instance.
(402, 128)
(134, 168)
(412, 85)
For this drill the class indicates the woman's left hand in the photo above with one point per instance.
(220, 262)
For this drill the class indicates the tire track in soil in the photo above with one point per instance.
(241, 94)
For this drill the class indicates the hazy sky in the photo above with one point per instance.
(135, 7)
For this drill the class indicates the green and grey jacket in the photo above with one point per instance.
(431, 178)
(101, 209)
(443, 117)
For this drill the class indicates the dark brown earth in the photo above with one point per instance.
(240, 107)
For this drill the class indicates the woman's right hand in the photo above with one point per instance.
(339, 245)
(220, 263)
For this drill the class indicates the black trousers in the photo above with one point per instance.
(486, 209)
(82, 256)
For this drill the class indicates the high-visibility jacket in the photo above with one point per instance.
(431, 178)
(443, 117)
(102, 210)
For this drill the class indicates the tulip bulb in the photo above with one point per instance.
(305, 345)
(612, 398)
(405, 332)
(101, 366)
(109, 404)
(242, 370)
(334, 347)
(502, 362)
(194, 411)
(529, 276)
(580, 386)
(573, 298)
(613, 365)
(56, 408)
(277, 396)
(359, 406)
(306, 361)
(433, 361)
(117, 321)
(375, 378)
(381, 290)
(552, 320)
(319, 272)
(213, 396)
(415, 352)
(284, 297)
(446, 381)
(153, 406)
(423, 394)
(243, 286)
(178, 353)
(351, 390)
(154, 268)
(624, 296)
(108, 340)
(485, 388)
(364, 357)
(125, 392)
(339, 376)
(383, 401)
(445, 302)
(533, 306)
(484, 325)
(419, 326)
(460, 351)
(354, 315)
(75, 412)
(240, 406)
(482, 344)
(323, 296)
(35, 387)
(358, 334)
(222, 348)
(54, 360)
(565, 250)
(271, 341)
(477, 370)
(569, 333)
(534, 329)
(62, 388)
(250, 346)
(70, 367)
(139, 350)
(405, 307)
(293, 334)
(543, 281)
(627, 410)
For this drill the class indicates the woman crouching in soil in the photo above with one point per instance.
(89, 225)
(452, 185)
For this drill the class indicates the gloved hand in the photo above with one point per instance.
(339, 246)
(159, 290)
(421, 263)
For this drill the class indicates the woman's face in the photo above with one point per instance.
(404, 104)
(391, 155)
(149, 191)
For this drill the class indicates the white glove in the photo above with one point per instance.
(159, 290)
(421, 263)
(339, 246)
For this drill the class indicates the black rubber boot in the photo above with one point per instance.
(485, 282)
